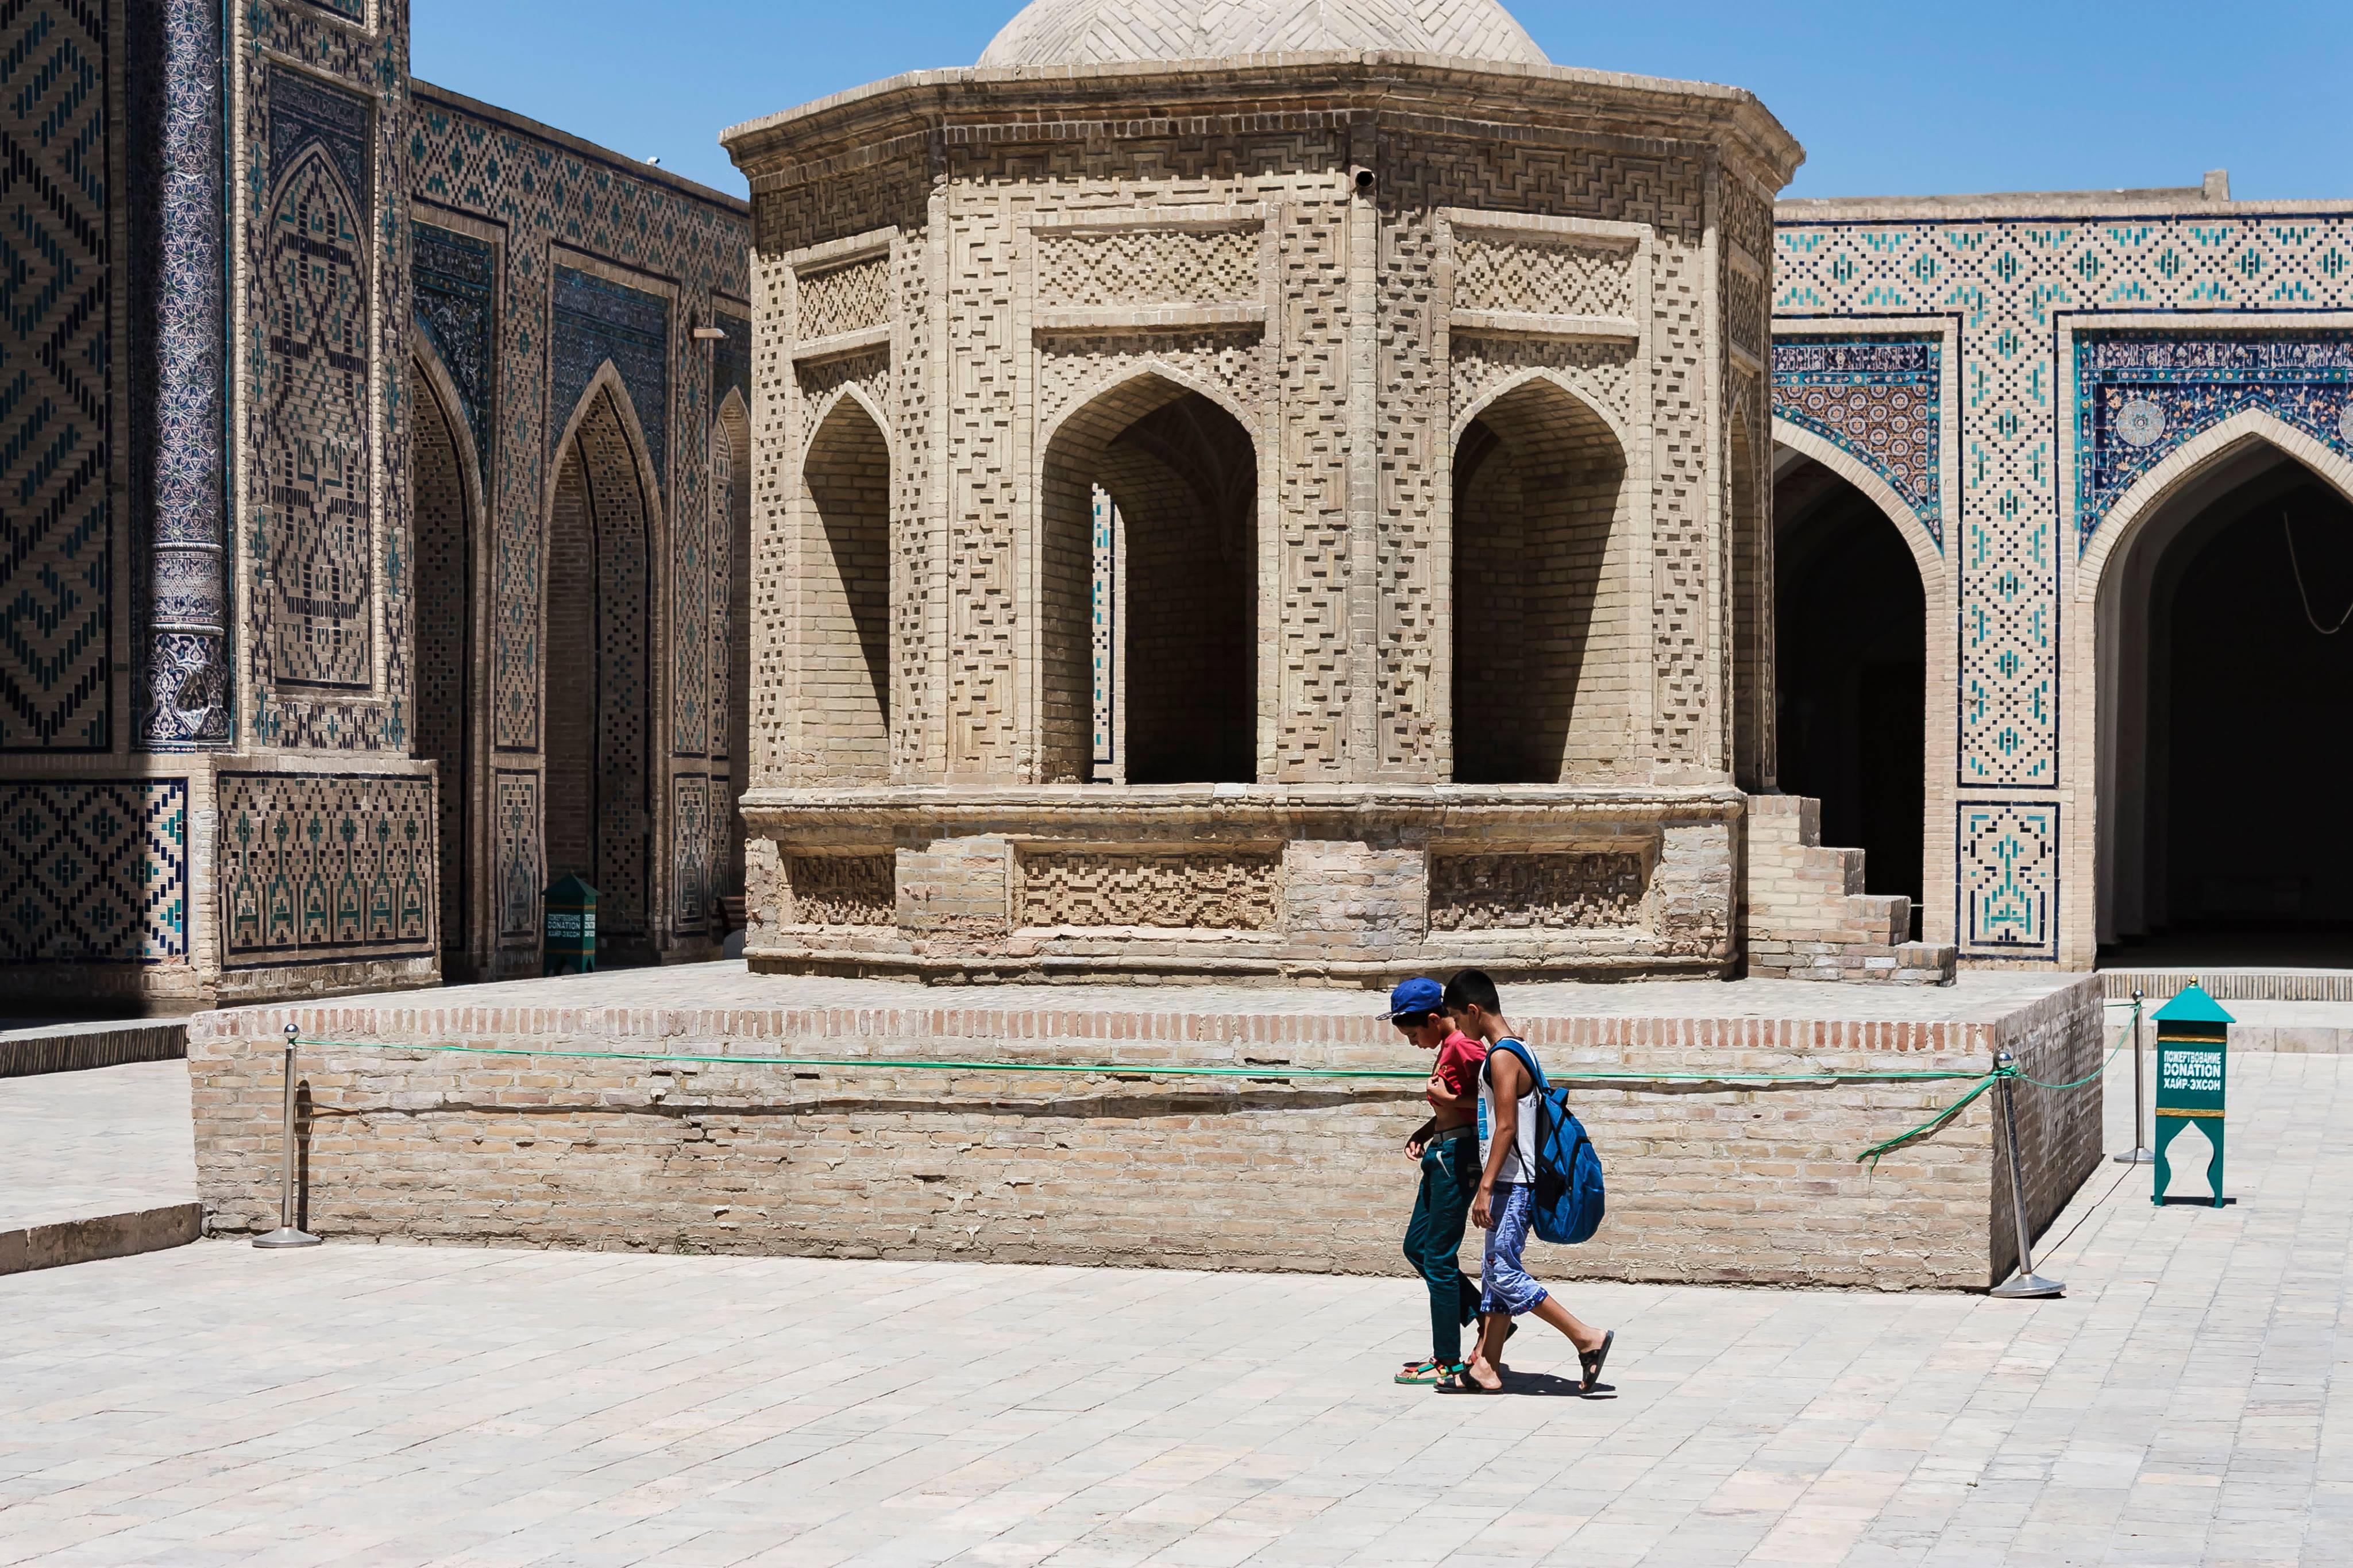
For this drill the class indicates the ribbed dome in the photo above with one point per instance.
(1117, 32)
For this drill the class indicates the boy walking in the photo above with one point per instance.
(1443, 1145)
(1504, 1207)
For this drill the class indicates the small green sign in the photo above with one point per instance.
(2193, 1061)
(568, 928)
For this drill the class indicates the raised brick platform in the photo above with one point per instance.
(1707, 1182)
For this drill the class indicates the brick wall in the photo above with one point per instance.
(1756, 1185)
(846, 598)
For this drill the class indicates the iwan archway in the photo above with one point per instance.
(602, 804)
(450, 721)
(2222, 585)
(1855, 575)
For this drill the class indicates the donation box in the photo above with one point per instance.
(568, 930)
(2193, 1038)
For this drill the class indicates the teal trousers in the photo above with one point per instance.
(1450, 1178)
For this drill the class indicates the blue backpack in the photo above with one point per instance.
(1569, 1199)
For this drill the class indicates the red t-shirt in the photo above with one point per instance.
(1459, 1060)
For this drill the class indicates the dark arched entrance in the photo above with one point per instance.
(1850, 636)
(1541, 646)
(600, 814)
(1181, 478)
(444, 687)
(2224, 838)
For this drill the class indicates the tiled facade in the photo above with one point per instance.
(2099, 351)
(234, 760)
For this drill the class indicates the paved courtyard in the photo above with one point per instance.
(77, 1145)
(352, 1404)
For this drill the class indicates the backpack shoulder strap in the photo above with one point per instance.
(1519, 1050)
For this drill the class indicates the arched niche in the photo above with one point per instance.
(731, 474)
(1855, 575)
(447, 726)
(1545, 644)
(843, 590)
(601, 804)
(1172, 602)
(2223, 717)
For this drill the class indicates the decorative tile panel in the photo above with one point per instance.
(323, 869)
(2140, 395)
(691, 851)
(1878, 400)
(455, 280)
(57, 525)
(179, 575)
(94, 871)
(516, 825)
(1544, 892)
(593, 320)
(316, 450)
(2009, 887)
(1212, 890)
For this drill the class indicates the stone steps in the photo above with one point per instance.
(1807, 915)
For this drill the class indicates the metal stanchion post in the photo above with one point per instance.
(2138, 1154)
(2028, 1284)
(286, 1234)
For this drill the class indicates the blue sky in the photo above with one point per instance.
(1891, 97)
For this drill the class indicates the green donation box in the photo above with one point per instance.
(2193, 1037)
(568, 928)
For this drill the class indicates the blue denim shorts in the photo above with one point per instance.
(1506, 1287)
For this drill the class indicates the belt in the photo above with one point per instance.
(1468, 1130)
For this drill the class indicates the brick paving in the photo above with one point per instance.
(388, 1406)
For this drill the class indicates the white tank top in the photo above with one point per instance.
(1520, 1164)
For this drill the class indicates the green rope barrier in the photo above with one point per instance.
(1142, 1069)
(1984, 1080)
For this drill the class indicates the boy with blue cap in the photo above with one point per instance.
(1447, 1147)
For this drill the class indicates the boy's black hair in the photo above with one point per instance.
(1471, 988)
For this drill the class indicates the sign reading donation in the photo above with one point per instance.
(2192, 1073)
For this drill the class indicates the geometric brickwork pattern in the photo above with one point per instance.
(314, 457)
(325, 868)
(515, 805)
(94, 871)
(553, 326)
(622, 632)
(1497, 892)
(1142, 265)
(691, 873)
(594, 319)
(1099, 32)
(2010, 879)
(2006, 287)
(1212, 890)
(442, 542)
(1876, 399)
(319, 375)
(55, 454)
(2139, 396)
(546, 194)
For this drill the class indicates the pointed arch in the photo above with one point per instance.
(731, 634)
(2182, 468)
(2126, 582)
(1550, 377)
(840, 587)
(604, 811)
(449, 551)
(1546, 639)
(1163, 618)
(1926, 554)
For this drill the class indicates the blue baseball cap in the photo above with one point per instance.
(1416, 996)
